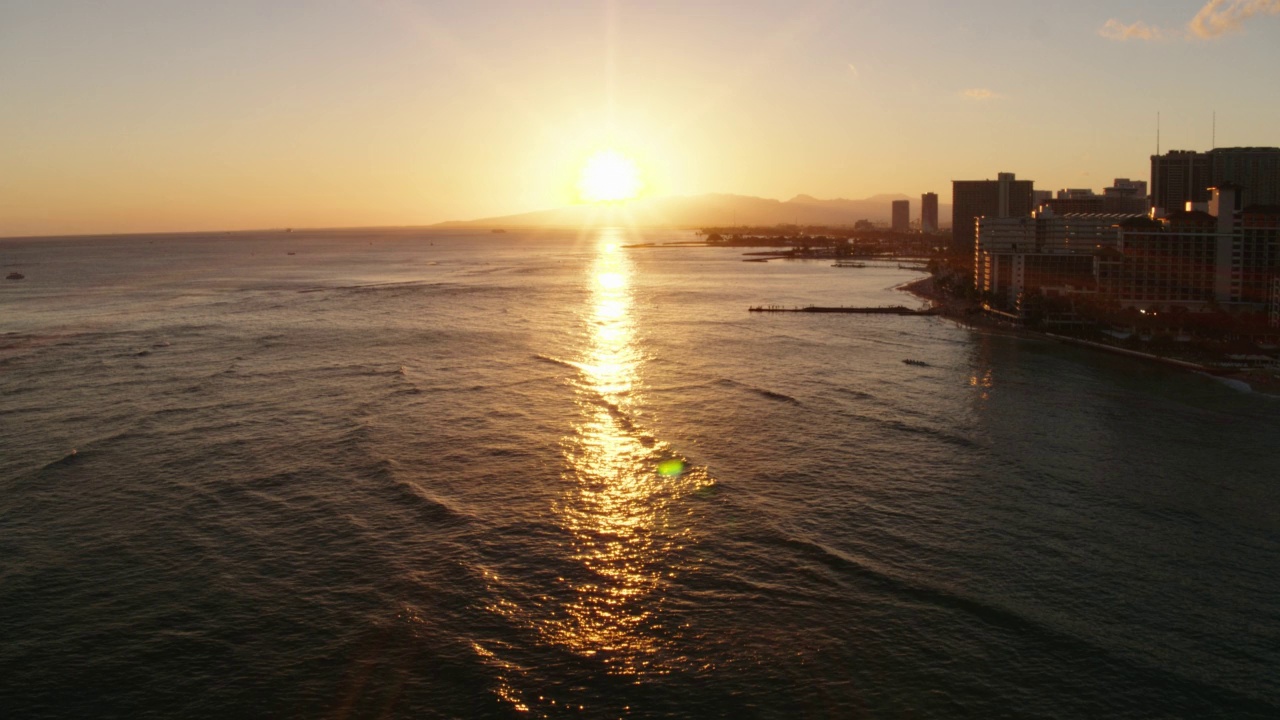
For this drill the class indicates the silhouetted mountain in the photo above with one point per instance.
(708, 210)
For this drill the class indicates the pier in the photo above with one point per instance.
(881, 310)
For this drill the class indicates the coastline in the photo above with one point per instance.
(1260, 381)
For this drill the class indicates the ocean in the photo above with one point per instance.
(428, 474)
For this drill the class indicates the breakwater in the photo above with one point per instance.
(879, 310)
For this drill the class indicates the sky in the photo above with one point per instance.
(167, 115)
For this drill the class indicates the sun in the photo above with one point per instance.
(609, 176)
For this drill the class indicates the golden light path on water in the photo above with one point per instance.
(617, 509)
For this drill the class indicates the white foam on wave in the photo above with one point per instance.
(1234, 384)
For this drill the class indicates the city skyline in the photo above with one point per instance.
(152, 116)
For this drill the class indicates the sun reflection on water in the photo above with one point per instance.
(616, 505)
(623, 536)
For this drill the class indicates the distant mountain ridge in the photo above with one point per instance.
(712, 210)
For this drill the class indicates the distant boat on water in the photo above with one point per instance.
(497, 230)
(14, 276)
(920, 363)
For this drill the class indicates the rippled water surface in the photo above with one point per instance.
(403, 474)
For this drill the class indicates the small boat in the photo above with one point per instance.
(497, 230)
(14, 276)
(919, 363)
(293, 253)
(849, 264)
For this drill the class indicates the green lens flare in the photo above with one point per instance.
(668, 468)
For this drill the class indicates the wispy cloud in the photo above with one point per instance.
(1220, 17)
(1215, 19)
(853, 69)
(979, 94)
(1117, 30)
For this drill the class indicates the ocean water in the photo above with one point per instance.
(415, 474)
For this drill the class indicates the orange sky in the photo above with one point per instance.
(151, 116)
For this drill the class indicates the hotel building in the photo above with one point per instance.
(1004, 197)
(1046, 251)
(1228, 256)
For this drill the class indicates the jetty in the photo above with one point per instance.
(880, 310)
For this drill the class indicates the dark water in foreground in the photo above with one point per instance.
(403, 474)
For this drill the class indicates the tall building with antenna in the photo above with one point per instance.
(1179, 177)
(1182, 176)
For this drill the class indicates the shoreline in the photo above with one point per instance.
(1259, 381)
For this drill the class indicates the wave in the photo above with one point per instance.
(423, 503)
(83, 452)
(898, 426)
(620, 416)
(624, 419)
(1016, 621)
(858, 394)
(354, 370)
(69, 458)
(1233, 383)
(762, 392)
(487, 270)
(412, 284)
(772, 395)
(558, 361)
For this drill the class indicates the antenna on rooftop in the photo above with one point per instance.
(1157, 132)
(1214, 142)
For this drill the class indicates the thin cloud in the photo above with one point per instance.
(1215, 19)
(1117, 30)
(853, 69)
(979, 94)
(1220, 17)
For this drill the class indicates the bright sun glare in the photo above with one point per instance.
(608, 175)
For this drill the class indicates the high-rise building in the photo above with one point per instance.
(1124, 187)
(1047, 252)
(1225, 254)
(1182, 176)
(971, 199)
(1163, 262)
(1228, 256)
(1256, 170)
(1258, 271)
(929, 213)
(1179, 177)
(1273, 309)
(901, 215)
(1126, 197)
